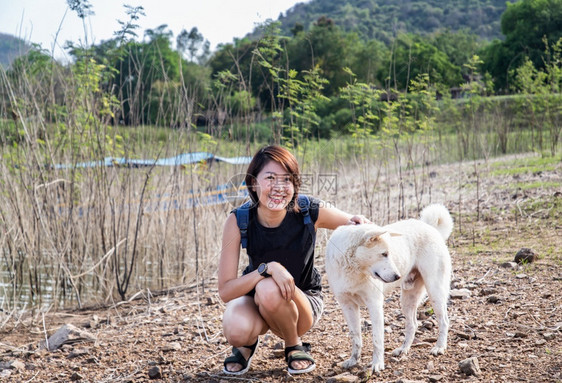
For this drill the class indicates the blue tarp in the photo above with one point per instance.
(179, 160)
(225, 193)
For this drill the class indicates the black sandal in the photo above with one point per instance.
(301, 354)
(238, 358)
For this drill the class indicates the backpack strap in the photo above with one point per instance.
(243, 218)
(304, 205)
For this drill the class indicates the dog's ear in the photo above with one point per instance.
(372, 237)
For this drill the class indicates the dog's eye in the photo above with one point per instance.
(385, 254)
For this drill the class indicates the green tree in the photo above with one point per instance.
(303, 97)
(129, 27)
(382, 19)
(524, 24)
(368, 60)
(459, 46)
(413, 56)
(363, 103)
(194, 43)
(33, 75)
(327, 48)
(241, 59)
(541, 95)
(153, 82)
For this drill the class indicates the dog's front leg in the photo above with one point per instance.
(351, 314)
(375, 306)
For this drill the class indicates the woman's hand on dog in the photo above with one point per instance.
(358, 219)
(283, 278)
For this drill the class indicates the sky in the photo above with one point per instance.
(51, 22)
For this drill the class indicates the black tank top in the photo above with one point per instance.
(291, 244)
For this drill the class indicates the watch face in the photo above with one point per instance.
(262, 267)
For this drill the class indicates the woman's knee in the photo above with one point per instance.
(268, 296)
(237, 333)
(241, 322)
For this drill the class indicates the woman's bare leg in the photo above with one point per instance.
(242, 323)
(287, 319)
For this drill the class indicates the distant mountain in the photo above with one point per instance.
(383, 19)
(10, 48)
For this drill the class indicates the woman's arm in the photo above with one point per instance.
(230, 286)
(330, 217)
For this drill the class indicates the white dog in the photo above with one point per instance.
(364, 260)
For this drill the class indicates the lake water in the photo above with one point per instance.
(19, 295)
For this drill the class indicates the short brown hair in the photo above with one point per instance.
(283, 157)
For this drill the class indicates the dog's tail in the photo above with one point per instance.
(438, 216)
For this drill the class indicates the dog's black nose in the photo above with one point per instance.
(396, 277)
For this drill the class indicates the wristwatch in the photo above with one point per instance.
(262, 270)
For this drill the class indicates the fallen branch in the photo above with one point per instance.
(485, 275)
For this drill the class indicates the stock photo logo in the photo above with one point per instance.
(316, 184)
(235, 190)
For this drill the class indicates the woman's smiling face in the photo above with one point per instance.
(274, 186)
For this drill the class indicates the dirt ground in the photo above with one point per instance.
(507, 316)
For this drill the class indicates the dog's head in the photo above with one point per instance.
(375, 253)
